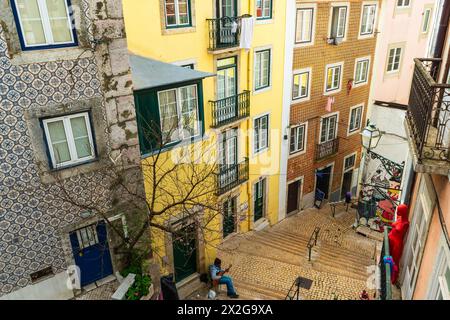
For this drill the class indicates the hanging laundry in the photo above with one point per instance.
(234, 27)
(330, 103)
(247, 25)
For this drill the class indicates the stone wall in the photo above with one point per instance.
(34, 222)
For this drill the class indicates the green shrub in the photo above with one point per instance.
(141, 281)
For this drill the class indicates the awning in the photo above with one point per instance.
(148, 73)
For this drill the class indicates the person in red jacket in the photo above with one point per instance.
(397, 237)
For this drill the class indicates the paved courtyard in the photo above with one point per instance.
(267, 262)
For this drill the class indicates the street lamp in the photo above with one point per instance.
(370, 137)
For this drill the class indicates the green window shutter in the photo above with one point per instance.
(147, 114)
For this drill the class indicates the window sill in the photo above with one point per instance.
(57, 54)
(296, 154)
(260, 152)
(300, 100)
(331, 92)
(303, 44)
(351, 133)
(262, 90)
(176, 144)
(361, 84)
(262, 21)
(177, 30)
(366, 36)
(73, 165)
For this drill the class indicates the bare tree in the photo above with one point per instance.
(172, 185)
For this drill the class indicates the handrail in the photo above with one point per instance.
(312, 239)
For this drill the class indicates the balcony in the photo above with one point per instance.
(231, 109)
(230, 176)
(428, 119)
(224, 33)
(327, 149)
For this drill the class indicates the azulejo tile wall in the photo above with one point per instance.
(31, 214)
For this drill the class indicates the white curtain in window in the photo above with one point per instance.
(57, 13)
(81, 137)
(59, 141)
(30, 17)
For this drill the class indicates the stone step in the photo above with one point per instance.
(324, 245)
(300, 246)
(326, 255)
(265, 292)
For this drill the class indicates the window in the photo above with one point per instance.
(362, 71)
(304, 27)
(263, 9)
(178, 110)
(368, 19)
(333, 77)
(403, 3)
(355, 119)
(69, 139)
(297, 139)
(300, 86)
(426, 20)
(261, 127)
(394, 60)
(262, 69)
(44, 23)
(87, 236)
(349, 162)
(188, 66)
(177, 13)
(328, 128)
(338, 22)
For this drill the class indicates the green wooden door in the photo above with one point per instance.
(229, 216)
(185, 253)
(259, 197)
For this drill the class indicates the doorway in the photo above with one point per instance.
(294, 193)
(323, 179)
(185, 252)
(227, 88)
(259, 195)
(91, 252)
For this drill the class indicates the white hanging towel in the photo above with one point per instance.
(247, 32)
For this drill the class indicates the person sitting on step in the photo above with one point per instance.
(218, 277)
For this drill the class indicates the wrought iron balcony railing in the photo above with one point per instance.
(326, 149)
(224, 32)
(428, 114)
(385, 290)
(230, 109)
(231, 176)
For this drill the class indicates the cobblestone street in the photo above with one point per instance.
(266, 263)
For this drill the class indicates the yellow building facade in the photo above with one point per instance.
(242, 43)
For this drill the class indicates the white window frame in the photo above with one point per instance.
(263, 18)
(363, 35)
(403, 3)
(334, 114)
(308, 95)
(297, 152)
(70, 140)
(330, 22)
(357, 61)
(344, 169)
(396, 48)
(45, 19)
(350, 132)
(430, 11)
(180, 132)
(177, 15)
(312, 7)
(266, 147)
(339, 87)
(269, 86)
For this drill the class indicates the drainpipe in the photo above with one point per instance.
(249, 189)
(442, 33)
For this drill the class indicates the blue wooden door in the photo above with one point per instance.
(91, 252)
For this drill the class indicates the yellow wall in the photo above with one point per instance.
(147, 38)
